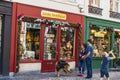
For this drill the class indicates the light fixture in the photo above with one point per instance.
(80, 6)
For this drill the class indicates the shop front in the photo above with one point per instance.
(43, 37)
(5, 30)
(104, 34)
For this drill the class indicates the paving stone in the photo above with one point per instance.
(114, 75)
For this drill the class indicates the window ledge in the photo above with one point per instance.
(114, 14)
(30, 61)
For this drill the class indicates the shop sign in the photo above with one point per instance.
(50, 14)
(33, 25)
(99, 34)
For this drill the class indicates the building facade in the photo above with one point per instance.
(42, 36)
(5, 31)
(102, 25)
(99, 21)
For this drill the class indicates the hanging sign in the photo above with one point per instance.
(50, 14)
(98, 34)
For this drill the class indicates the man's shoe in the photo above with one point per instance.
(88, 77)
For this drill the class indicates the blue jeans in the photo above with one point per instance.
(89, 67)
(81, 66)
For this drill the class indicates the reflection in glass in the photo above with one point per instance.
(0, 31)
(117, 43)
(29, 40)
(50, 43)
(67, 43)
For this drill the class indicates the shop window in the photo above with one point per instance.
(67, 43)
(29, 48)
(101, 39)
(117, 43)
(50, 42)
(94, 3)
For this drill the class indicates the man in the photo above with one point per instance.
(88, 59)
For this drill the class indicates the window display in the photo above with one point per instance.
(101, 39)
(29, 40)
(50, 42)
(67, 43)
(117, 43)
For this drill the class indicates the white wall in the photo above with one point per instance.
(27, 67)
(65, 5)
(62, 5)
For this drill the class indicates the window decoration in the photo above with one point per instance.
(27, 34)
(29, 41)
(50, 42)
(67, 43)
(101, 37)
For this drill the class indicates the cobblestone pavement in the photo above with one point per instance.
(114, 75)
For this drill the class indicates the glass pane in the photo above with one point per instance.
(67, 43)
(101, 39)
(29, 40)
(50, 43)
(111, 5)
(117, 43)
(94, 3)
(97, 3)
(116, 6)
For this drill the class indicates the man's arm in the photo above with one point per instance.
(85, 56)
(113, 56)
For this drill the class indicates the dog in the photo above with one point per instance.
(62, 65)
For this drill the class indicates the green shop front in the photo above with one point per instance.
(104, 34)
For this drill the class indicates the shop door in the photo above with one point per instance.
(50, 48)
(58, 44)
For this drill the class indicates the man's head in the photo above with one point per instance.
(89, 41)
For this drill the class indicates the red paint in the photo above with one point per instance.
(58, 42)
(35, 12)
(13, 31)
(42, 41)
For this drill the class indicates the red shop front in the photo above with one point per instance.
(41, 36)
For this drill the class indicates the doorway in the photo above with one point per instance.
(58, 44)
(50, 55)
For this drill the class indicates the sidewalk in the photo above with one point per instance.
(114, 75)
